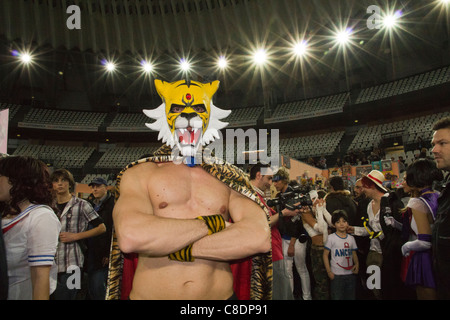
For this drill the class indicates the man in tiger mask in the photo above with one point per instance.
(179, 220)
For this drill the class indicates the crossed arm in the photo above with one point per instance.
(140, 231)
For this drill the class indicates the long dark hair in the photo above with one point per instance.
(30, 179)
(422, 173)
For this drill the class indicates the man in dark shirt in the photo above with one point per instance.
(340, 199)
(441, 229)
(98, 247)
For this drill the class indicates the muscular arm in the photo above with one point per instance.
(248, 235)
(138, 229)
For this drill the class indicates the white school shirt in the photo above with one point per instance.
(341, 250)
(31, 242)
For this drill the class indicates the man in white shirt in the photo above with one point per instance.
(372, 187)
(384, 228)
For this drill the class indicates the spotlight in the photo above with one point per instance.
(260, 57)
(343, 37)
(185, 65)
(25, 57)
(391, 21)
(222, 63)
(146, 66)
(301, 48)
(110, 66)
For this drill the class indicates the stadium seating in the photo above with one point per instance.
(120, 157)
(13, 109)
(406, 85)
(63, 119)
(311, 146)
(369, 137)
(309, 108)
(58, 156)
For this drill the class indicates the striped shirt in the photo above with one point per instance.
(75, 219)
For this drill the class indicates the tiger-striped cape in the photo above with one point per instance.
(261, 264)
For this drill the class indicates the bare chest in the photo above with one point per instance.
(177, 191)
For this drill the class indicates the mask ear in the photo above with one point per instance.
(161, 88)
(211, 88)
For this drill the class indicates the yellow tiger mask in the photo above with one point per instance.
(187, 118)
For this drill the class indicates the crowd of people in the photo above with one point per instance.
(380, 243)
(367, 243)
(54, 245)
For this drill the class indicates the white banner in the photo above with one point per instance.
(4, 116)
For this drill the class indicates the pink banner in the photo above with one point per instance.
(4, 131)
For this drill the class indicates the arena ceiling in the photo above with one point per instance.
(68, 61)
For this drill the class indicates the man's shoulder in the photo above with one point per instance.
(136, 169)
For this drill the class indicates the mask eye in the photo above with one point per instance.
(176, 108)
(199, 108)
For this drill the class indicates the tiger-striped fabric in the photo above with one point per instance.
(215, 223)
(236, 179)
(183, 255)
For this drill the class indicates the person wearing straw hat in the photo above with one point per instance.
(383, 228)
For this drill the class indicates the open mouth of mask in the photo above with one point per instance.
(188, 136)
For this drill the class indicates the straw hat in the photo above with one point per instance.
(378, 178)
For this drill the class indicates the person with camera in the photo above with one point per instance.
(261, 179)
(291, 230)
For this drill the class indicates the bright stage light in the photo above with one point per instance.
(301, 48)
(222, 63)
(185, 65)
(147, 66)
(445, 2)
(25, 58)
(343, 37)
(110, 66)
(391, 21)
(260, 57)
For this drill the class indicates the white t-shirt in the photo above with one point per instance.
(341, 250)
(31, 242)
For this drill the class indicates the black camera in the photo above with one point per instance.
(295, 199)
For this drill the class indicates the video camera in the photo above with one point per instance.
(292, 200)
(296, 199)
